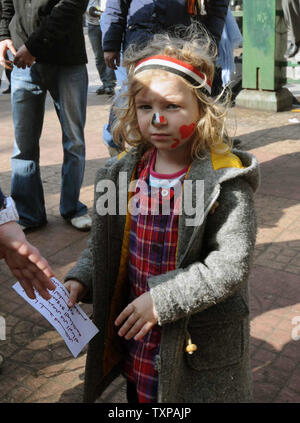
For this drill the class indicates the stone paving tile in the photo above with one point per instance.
(38, 366)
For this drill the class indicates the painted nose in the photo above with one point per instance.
(158, 119)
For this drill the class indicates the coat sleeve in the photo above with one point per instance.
(113, 24)
(215, 19)
(56, 25)
(83, 269)
(8, 12)
(82, 272)
(230, 239)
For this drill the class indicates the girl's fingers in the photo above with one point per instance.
(124, 314)
(128, 325)
(76, 290)
(145, 329)
(73, 298)
(134, 329)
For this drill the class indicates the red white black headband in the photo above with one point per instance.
(178, 67)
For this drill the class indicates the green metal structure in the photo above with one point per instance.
(264, 66)
(264, 44)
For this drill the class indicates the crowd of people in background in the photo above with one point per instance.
(291, 11)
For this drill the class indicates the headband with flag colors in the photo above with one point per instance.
(178, 67)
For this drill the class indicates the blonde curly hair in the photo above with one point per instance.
(193, 46)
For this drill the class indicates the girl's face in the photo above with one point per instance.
(167, 112)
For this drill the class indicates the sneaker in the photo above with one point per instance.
(27, 228)
(100, 90)
(7, 91)
(83, 223)
(105, 90)
(109, 91)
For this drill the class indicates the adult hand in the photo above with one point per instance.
(23, 58)
(139, 317)
(77, 291)
(112, 59)
(94, 12)
(25, 261)
(6, 45)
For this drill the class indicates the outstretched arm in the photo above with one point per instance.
(25, 261)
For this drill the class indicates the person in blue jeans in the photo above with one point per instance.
(107, 75)
(47, 42)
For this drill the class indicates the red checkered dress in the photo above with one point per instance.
(153, 242)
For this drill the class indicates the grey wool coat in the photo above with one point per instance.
(204, 299)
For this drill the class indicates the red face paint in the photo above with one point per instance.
(187, 130)
(175, 143)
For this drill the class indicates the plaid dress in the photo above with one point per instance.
(152, 251)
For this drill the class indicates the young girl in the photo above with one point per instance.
(169, 289)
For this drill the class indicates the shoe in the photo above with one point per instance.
(7, 91)
(291, 51)
(109, 91)
(100, 90)
(105, 90)
(83, 223)
(28, 228)
(1, 361)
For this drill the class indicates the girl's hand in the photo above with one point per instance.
(77, 291)
(139, 317)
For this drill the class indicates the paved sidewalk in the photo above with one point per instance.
(38, 366)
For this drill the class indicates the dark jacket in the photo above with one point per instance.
(51, 29)
(135, 21)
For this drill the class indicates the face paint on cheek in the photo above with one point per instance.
(187, 130)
